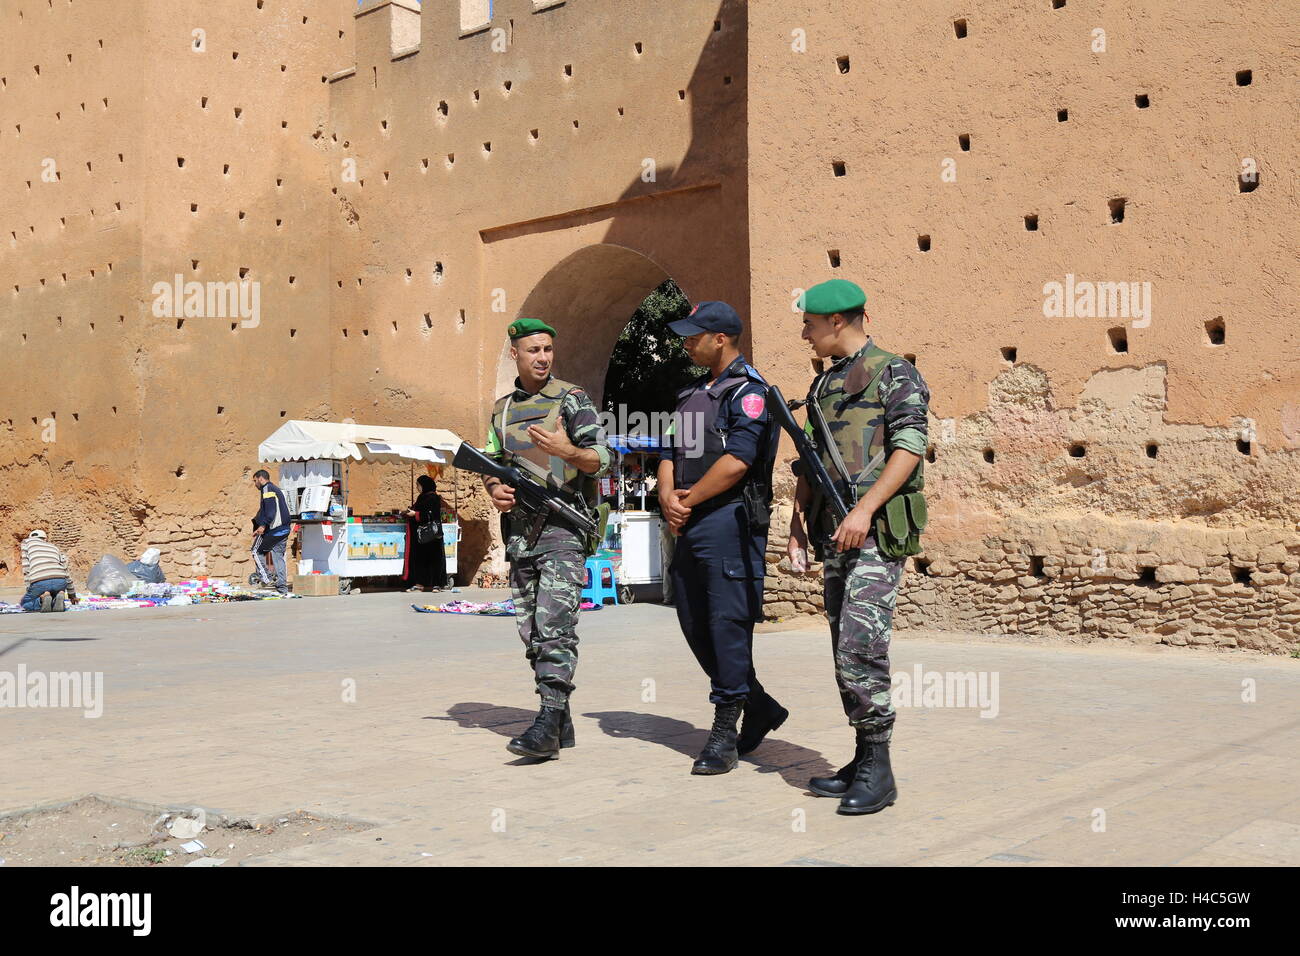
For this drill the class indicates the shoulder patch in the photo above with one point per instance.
(752, 405)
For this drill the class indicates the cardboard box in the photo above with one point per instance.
(315, 585)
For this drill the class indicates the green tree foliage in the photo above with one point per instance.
(649, 366)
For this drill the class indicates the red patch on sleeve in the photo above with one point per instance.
(752, 405)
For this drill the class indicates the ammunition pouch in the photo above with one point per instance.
(899, 525)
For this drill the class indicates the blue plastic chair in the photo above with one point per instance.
(597, 590)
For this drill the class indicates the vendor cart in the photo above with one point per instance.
(315, 458)
(635, 529)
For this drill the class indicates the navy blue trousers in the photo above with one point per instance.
(717, 574)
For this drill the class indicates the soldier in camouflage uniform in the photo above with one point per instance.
(875, 406)
(546, 427)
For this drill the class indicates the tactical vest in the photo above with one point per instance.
(511, 419)
(707, 404)
(856, 419)
(701, 405)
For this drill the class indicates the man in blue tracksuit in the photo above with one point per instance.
(716, 491)
(272, 524)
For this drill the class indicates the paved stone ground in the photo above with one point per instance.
(240, 708)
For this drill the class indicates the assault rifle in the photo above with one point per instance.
(530, 491)
(813, 469)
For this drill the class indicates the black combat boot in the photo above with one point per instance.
(873, 787)
(566, 734)
(719, 753)
(836, 785)
(762, 715)
(542, 739)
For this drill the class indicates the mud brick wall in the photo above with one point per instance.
(1097, 471)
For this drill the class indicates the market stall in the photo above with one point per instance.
(315, 459)
(635, 531)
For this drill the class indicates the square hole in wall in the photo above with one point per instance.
(1142, 101)
(1244, 77)
(1248, 181)
(833, 257)
(931, 455)
(1116, 207)
(959, 28)
(923, 243)
(1215, 331)
(1153, 449)
(1062, 116)
(1078, 450)
(1243, 446)
(1118, 338)
(1147, 577)
(963, 140)
(842, 64)
(568, 69)
(1057, 4)
(1036, 565)
(989, 455)
(1009, 354)
(1031, 222)
(1240, 574)
(838, 167)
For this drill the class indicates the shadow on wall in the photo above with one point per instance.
(688, 221)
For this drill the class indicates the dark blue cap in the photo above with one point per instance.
(708, 317)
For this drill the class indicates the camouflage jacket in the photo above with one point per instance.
(582, 425)
(866, 422)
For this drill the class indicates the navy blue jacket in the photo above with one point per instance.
(274, 513)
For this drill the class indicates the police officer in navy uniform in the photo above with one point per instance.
(715, 492)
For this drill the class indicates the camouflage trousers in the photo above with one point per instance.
(547, 591)
(861, 587)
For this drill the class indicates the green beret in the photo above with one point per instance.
(831, 296)
(521, 327)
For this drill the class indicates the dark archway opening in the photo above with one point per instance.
(648, 365)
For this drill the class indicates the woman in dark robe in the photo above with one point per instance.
(428, 564)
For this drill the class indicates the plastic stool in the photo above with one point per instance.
(597, 590)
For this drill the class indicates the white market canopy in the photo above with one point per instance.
(309, 441)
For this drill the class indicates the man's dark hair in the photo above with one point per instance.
(262, 473)
(854, 315)
(732, 340)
